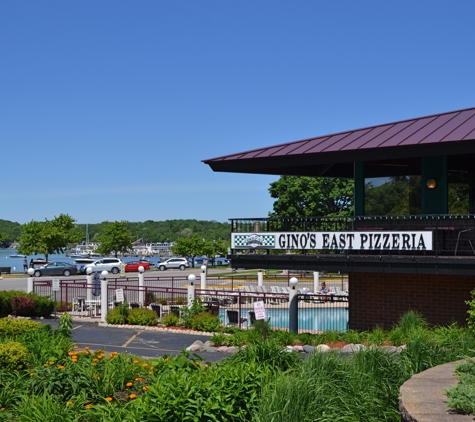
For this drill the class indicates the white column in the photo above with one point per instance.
(316, 281)
(203, 277)
(191, 289)
(141, 290)
(260, 278)
(104, 304)
(29, 284)
(89, 287)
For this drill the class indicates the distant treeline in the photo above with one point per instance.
(148, 231)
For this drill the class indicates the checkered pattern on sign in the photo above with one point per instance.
(241, 240)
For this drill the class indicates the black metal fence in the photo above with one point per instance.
(234, 306)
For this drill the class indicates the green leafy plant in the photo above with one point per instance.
(205, 321)
(65, 325)
(12, 328)
(142, 316)
(170, 320)
(13, 356)
(219, 339)
(188, 313)
(118, 315)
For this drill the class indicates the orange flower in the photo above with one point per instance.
(144, 388)
(98, 378)
(136, 361)
(109, 399)
(45, 364)
(51, 363)
(138, 379)
(87, 347)
(69, 403)
(32, 374)
(132, 396)
(60, 367)
(144, 365)
(129, 384)
(197, 362)
(2, 409)
(88, 406)
(114, 353)
(76, 346)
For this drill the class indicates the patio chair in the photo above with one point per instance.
(157, 308)
(79, 304)
(234, 318)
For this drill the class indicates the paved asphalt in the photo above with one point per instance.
(145, 343)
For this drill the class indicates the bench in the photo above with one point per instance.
(6, 270)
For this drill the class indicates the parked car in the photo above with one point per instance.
(180, 263)
(56, 268)
(109, 264)
(133, 266)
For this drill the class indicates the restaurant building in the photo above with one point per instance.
(422, 259)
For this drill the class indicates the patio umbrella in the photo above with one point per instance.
(96, 290)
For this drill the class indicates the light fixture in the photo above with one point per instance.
(293, 282)
(203, 268)
(191, 279)
(104, 274)
(431, 183)
(31, 271)
(141, 269)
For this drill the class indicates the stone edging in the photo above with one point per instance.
(422, 398)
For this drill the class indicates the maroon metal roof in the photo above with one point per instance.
(438, 134)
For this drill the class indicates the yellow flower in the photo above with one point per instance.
(136, 361)
(69, 403)
(144, 365)
(32, 374)
(132, 396)
(88, 406)
(109, 399)
(129, 384)
(60, 367)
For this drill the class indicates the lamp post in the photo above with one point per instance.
(29, 284)
(293, 306)
(191, 289)
(141, 285)
(89, 283)
(104, 296)
(203, 277)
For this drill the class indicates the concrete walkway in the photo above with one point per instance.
(422, 398)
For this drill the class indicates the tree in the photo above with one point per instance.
(115, 238)
(48, 237)
(311, 196)
(189, 247)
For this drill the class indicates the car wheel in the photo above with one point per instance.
(115, 270)
(162, 268)
(37, 273)
(67, 273)
(182, 267)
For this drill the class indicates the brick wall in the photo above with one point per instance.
(381, 299)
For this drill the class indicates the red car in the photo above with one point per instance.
(133, 266)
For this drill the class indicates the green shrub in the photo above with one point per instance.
(11, 327)
(23, 306)
(170, 320)
(44, 306)
(6, 297)
(118, 315)
(13, 356)
(205, 321)
(219, 339)
(188, 313)
(142, 316)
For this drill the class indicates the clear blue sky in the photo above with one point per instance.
(108, 107)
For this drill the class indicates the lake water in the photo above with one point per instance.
(16, 264)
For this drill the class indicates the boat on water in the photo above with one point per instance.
(16, 256)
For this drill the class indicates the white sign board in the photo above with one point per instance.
(260, 310)
(119, 295)
(336, 241)
(55, 285)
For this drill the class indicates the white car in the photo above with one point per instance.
(109, 264)
(180, 263)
